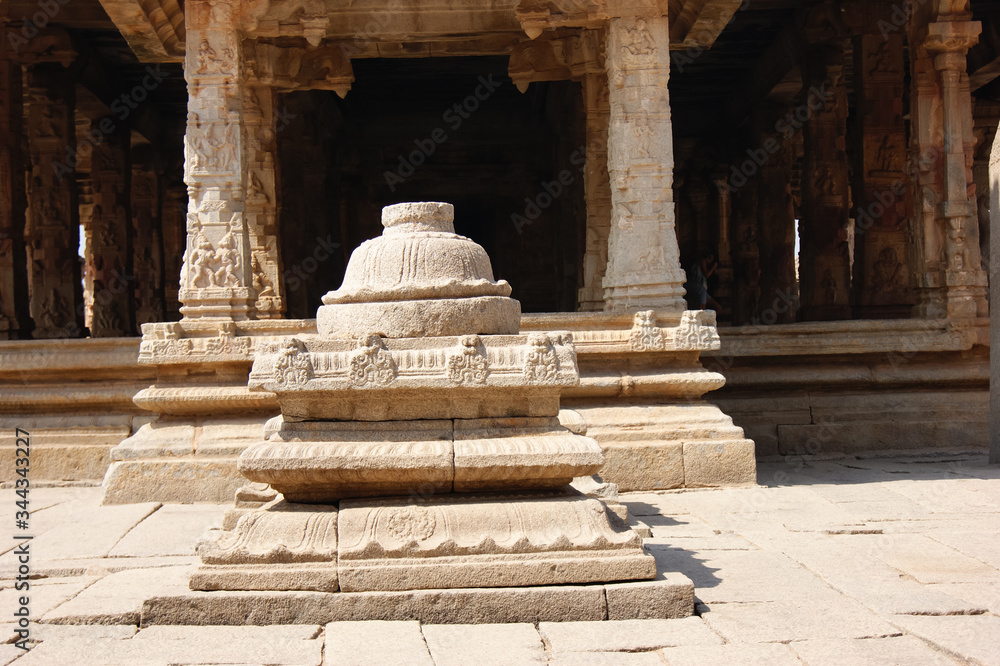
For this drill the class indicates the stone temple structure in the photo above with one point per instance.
(419, 448)
(182, 182)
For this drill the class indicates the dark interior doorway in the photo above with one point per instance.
(435, 129)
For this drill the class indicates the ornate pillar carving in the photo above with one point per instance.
(111, 237)
(776, 226)
(15, 317)
(148, 249)
(53, 218)
(643, 258)
(964, 280)
(746, 252)
(259, 118)
(597, 191)
(724, 250)
(882, 286)
(217, 280)
(825, 267)
(172, 216)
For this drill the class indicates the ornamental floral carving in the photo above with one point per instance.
(540, 362)
(411, 523)
(372, 363)
(468, 366)
(646, 335)
(293, 366)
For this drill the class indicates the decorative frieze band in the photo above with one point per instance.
(539, 359)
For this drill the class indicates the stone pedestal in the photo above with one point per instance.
(387, 441)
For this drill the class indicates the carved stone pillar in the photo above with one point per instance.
(597, 190)
(148, 251)
(217, 280)
(111, 237)
(776, 227)
(746, 252)
(724, 250)
(643, 258)
(259, 119)
(53, 218)
(15, 317)
(825, 267)
(964, 280)
(172, 216)
(881, 285)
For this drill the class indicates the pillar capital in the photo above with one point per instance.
(950, 41)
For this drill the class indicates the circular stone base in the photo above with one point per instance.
(484, 315)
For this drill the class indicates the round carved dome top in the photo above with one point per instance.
(418, 256)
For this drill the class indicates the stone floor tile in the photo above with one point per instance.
(981, 595)
(117, 598)
(282, 644)
(679, 525)
(774, 622)
(855, 492)
(49, 515)
(43, 598)
(650, 504)
(484, 644)
(102, 566)
(947, 495)
(184, 645)
(375, 643)
(729, 576)
(923, 558)
(723, 541)
(608, 659)
(67, 632)
(8, 653)
(896, 651)
(983, 546)
(625, 635)
(744, 654)
(89, 534)
(173, 529)
(885, 510)
(975, 638)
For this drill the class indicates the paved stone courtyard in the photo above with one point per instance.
(892, 561)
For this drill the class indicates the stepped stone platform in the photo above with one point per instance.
(841, 561)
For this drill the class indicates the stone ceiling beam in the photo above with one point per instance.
(984, 57)
(778, 63)
(154, 29)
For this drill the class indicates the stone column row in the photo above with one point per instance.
(44, 196)
(907, 217)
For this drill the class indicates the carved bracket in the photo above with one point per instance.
(286, 69)
(554, 58)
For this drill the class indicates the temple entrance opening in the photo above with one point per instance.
(441, 129)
